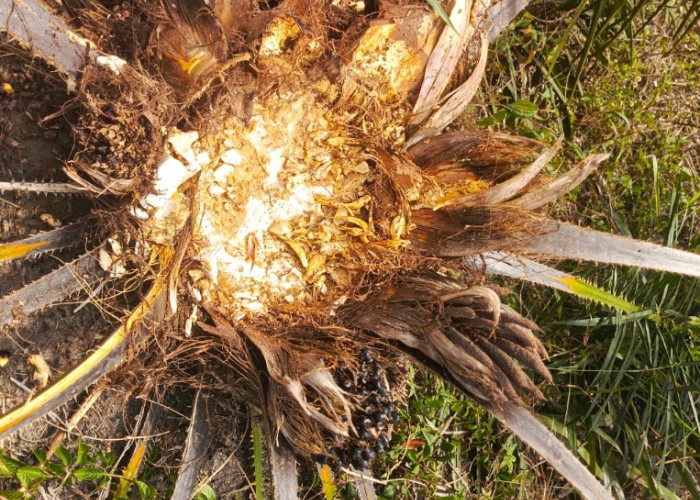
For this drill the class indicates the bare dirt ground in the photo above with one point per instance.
(32, 150)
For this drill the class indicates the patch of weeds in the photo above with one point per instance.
(447, 446)
(628, 403)
(639, 107)
(83, 471)
(629, 409)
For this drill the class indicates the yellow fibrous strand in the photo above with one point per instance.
(25, 411)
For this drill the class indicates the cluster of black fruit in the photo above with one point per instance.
(376, 412)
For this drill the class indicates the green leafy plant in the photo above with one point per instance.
(81, 470)
(206, 492)
(67, 468)
(603, 23)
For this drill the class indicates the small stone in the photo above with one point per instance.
(111, 62)
(170, 176)
(104, 259)
(50, 220)
(216, 190)
(42, 372)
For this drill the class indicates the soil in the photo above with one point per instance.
(32, 150)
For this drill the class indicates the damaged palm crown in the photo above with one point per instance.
(274, 218)
(292, 192)
(294, 207)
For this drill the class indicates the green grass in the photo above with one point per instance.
(448, 447)
(616, 77)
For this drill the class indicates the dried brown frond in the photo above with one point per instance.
(456, 232)
(415, 312)
(490, 154)
(303, 399)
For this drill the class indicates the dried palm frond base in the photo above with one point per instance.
(270, 190)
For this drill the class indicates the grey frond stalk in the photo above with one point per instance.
(364, 485)
(520, 268)
(80, 275)
(528, 428)
(501, 14)
(41, 187)
(30, 21)
(49, 241)
(195, 447)
(41, 31)
(283, 464)
(566, 241)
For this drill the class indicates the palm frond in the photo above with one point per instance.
(144, 430)
(49, 241)
(566, 241)
(455, 104)
(501, 14)
(554, 189)
(70, 278)
(521, 268)
(417, 203)
(491, 152)
(41, 187)
(443, 60)
(462, 339)
(47, 34)
(528, 428)
(508, 189)
(41, 31)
